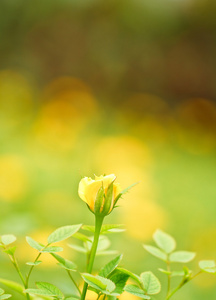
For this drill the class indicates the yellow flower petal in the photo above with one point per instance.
(88, 189)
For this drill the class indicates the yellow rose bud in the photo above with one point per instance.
(99, 194)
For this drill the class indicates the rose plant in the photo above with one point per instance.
(101, 195)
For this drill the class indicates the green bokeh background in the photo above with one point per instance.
(123, 87)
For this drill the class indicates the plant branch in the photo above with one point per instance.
(31, 269)
(74, 282)
(168, 277)
(182, 283)
(98, 225)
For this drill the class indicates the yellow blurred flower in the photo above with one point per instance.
(99, 194)
(13, 178)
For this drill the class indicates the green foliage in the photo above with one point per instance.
(99, 200)
(101, 284)
(63, 233)
(156, 252)
(164, 241)
(208, 266)
(65, 263)
(182, 256)
(103, 244)
(136, 291)
(150, 283)
(130, 274)
(10, 250)
(34, 244)
(106, 228)
(108, 200)
(8, 239)
(51, 249)
(30, 263)
(13, 285)
(120, 279)
(3, 295)
(110, 267)
(173, 273)
(124, 192)
(46, 289)
(111, 280)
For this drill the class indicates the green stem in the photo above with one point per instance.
(183, 282)
(177, 288)
(74, 282)
(18, 270)
(31, 269)
(198, 273)
(98, 225)
(169, 277)
(14, 262)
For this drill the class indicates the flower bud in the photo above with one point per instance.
(100, 194)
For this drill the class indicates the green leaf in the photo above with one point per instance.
(78, 248)
(10, 250)
(93, 281)
(63, 233)
(99, 200)
(100, 283)
(13, 285)
(165, 271)
(34, 244)
(35, 263)
(39, 292)
(103, 243)
(52, 249)
(107, 252)
(120, 279)
(124, 192)
(8, 239)
(45, 289)
(5, 296)
(49, 287)
(164, 241)
(64, 263)
(81, 237)
(1, 291)
(130, 274)
(150, 283)
(177, 273)
(208, 266)
(110, 266)
(182, 256)
(108, 199)
(156, 252)
(136, 291)
(106, 228)
(89, 228)
(187, 272)
(111, 228)
(173, 273)
(40, 297)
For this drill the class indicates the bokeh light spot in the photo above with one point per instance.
(13, 178)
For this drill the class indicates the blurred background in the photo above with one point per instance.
(99, 87)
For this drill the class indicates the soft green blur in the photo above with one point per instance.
(101, 87)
